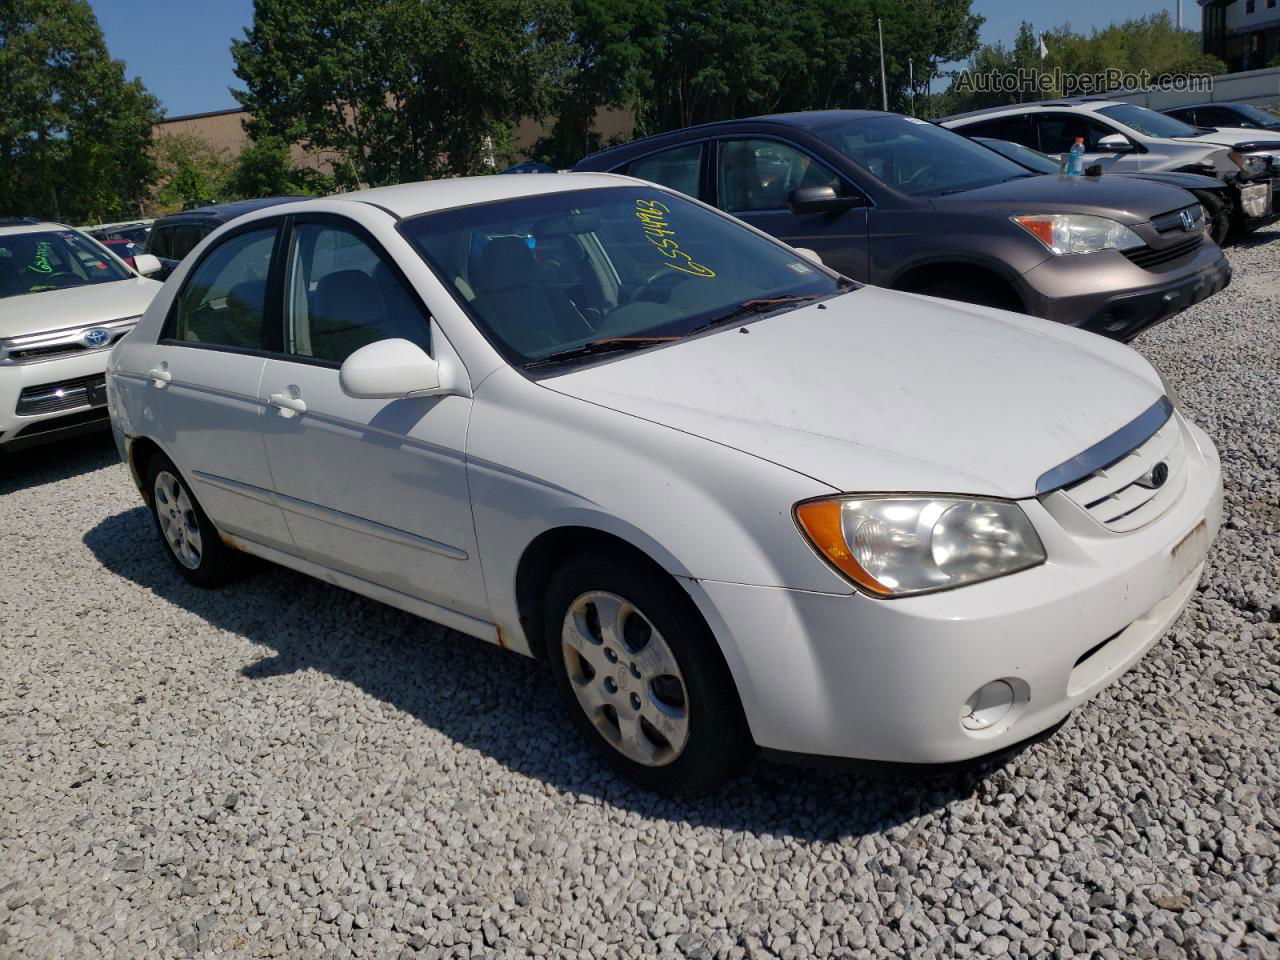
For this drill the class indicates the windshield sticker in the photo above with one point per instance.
(40, 263)
(798, 268)
(652, 213)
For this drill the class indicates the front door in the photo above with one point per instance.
(374, 488)
(754, 180)
(208, 362)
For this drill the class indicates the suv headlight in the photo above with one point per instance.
(895, 546)
(1065, 233)
(1250, 166)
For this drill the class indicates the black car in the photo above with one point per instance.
(1239, 115)
(1214, 195)
(176, 235)
(903, 203)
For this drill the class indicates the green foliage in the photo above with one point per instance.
(265, 169)
(1152, 44)
(400, 90)
(73, 132)
(189, 171)
(679, 62)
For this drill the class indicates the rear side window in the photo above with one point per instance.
(160, 242)
(185, 239)
(679, 168)
(223, 302)
(344, 296)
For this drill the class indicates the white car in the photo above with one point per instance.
(1124, 137)
(733, 499)
(65, 300)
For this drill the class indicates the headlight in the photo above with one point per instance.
(1065, 233)
(1250, 166)
(894, 546)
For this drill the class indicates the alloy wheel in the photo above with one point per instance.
(178, 520)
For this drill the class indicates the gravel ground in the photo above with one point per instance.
(285, 769)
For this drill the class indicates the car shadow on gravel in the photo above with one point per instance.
(502, 704)
(62, 460)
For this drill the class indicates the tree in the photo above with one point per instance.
(74, 134)
(265, 169)
(189, 171)
(401, 89)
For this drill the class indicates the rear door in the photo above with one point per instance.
(376, 489)
(754, 178)
(203, 382)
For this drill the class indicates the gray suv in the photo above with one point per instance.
(902, 203)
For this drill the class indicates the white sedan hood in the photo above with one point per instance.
(884, 391)
(75, 306)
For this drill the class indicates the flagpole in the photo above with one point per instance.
(884, 90)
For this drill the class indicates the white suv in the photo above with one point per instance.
(1124, 137)
(64, 301)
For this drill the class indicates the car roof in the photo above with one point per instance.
(28, 225)
(1091, 103)
(222, 212)
(801, 120)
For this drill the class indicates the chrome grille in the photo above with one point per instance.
(63, 395)
(1122, 496)
(53, 344)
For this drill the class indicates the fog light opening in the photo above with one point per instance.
(987, 706)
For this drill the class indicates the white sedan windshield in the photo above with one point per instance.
(547, 273)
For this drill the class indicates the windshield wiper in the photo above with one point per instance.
(597, 347)
(748, 307)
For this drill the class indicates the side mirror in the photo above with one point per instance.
(147, 264)
(808, 254)
(820, 200)
(1115, 143)
(388, 370)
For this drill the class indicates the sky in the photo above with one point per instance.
(182, 48)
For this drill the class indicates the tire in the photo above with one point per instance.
(642, 676)
(190, 540)
(1218, 215)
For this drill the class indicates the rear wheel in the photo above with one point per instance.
(189, 538)
(642, 676)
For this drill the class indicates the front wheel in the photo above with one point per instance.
(642, 676)
(190, 539)
(1217, 216)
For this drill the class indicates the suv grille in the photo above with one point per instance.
(1137, 488)
(34, 347)
(1148, 257)
(1173, 219)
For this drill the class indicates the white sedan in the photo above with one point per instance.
(733, 500)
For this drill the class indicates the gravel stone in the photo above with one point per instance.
(281, 768)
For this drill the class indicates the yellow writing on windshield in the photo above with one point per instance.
(657, 230)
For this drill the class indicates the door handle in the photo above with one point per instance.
(287, 405)
(159, 376)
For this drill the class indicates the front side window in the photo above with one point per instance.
(53, 260)
(185, 238)
(1058, 132)
(544, 274)
(919, 158)
(760, 175)
(1147, 122)
(341, 296)
(223, 302)
(679, 168)
(1015, 129)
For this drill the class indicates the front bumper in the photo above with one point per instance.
(1257, 203)
(850, 676)
(52, 399)
(1119, 299)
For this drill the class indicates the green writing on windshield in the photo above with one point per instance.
(653, 214)
(40, 263)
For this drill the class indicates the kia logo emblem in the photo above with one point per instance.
(1155, 478)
